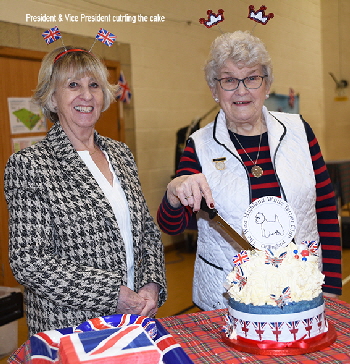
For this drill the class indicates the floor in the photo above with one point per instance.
(179, 265)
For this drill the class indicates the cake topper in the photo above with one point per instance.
(259, 16)
(213, 19)
(269, 223)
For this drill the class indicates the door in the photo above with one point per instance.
(18, 74)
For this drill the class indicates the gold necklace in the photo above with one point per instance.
(256, 170)
(95, 150)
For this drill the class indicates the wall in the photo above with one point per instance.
(167, 57)
(336, 58)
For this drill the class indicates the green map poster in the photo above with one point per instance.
(25, 116)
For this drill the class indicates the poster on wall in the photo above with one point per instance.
(25, 116)
(21, 143)
(283, 103)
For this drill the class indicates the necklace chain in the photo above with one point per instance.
(256, 170)
(95, 150)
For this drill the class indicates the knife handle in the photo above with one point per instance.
(211, 212)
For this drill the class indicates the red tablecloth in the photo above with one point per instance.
(199, 336)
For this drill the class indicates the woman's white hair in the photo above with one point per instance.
(244, 49)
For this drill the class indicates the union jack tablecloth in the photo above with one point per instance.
(85, 343)
(199, 336)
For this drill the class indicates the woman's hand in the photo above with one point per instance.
(150, 293)
(188, 190)
(130, 302)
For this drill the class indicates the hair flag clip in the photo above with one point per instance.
(51, 35)
(259, 16)
(105, 37)
(213, 19)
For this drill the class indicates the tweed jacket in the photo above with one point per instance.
(65, 245)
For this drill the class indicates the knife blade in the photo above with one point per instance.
(214, 215)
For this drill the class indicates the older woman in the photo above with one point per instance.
(82, 241)
(247, 153)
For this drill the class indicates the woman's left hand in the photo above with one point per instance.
(150, 293)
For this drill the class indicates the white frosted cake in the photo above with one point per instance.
(276, 296)
(276, 304)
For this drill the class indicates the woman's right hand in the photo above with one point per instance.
(130, 302)
(188, 190)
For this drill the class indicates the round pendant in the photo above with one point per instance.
(257, 171)
(220, 165)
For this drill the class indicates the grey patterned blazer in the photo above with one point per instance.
(65, 244)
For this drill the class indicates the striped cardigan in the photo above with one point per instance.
(174, 221)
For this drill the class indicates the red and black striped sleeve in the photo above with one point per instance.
(171, 220)
(327, 218)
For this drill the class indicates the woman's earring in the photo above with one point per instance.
(267, 96)
(216, 99)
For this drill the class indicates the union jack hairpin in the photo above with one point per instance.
(105, 37)
(53, 34)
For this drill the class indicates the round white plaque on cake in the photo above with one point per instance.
(269, 223)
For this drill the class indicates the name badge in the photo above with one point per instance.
(220, 163)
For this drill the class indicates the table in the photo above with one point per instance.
(199, 336)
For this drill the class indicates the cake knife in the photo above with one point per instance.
(213, 215)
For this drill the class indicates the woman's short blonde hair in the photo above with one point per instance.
(244, 49)
(54, 72)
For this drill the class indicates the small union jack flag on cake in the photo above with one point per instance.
(240, 258)
(51, 35)
(106, 37)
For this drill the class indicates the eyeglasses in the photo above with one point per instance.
(232, 83)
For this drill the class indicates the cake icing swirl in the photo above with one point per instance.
(290, 274)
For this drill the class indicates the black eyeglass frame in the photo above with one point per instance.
(239, 81)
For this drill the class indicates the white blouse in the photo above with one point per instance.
(116, 197)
